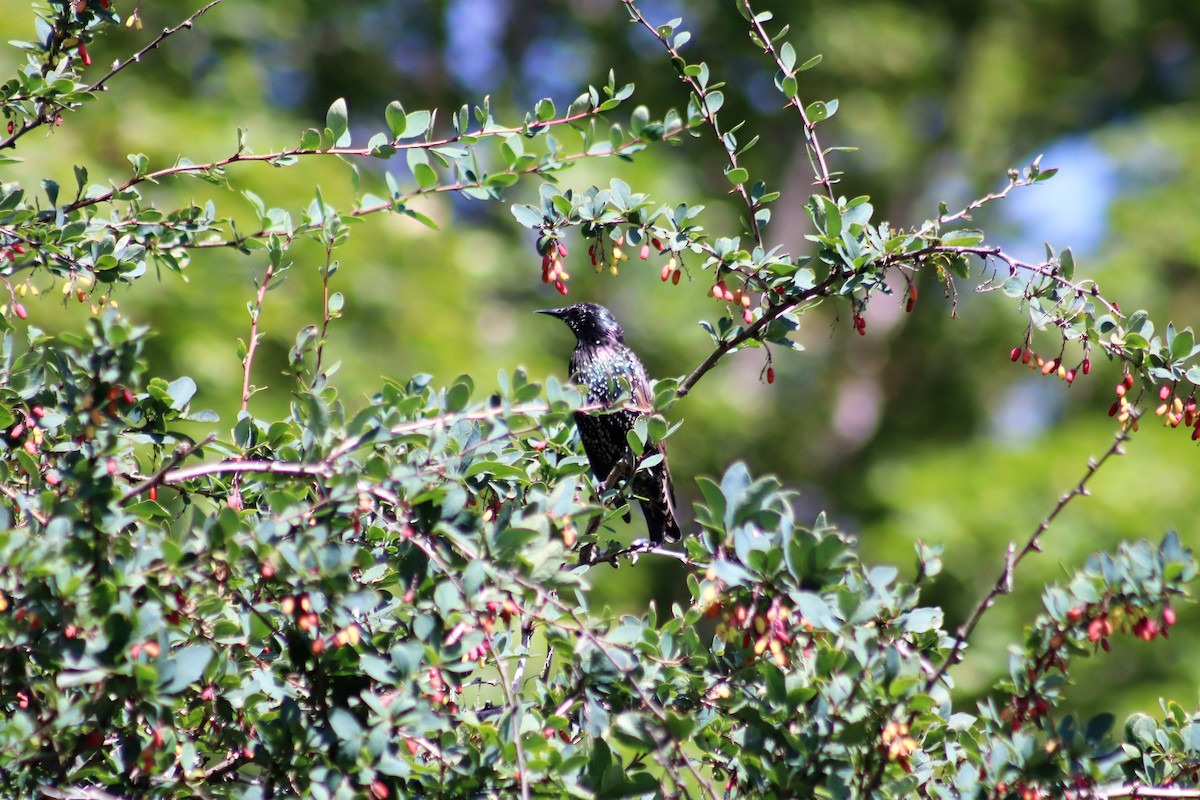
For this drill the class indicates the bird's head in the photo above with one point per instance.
(591, 323)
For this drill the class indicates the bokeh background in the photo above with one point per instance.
(922, 430)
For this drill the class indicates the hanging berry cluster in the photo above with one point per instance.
(738, 297)
(1052, 366)
(1176, 411)
(553, 252)
(607, 250)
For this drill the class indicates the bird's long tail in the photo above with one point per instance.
(659, 505)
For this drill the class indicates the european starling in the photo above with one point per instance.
(603, 364)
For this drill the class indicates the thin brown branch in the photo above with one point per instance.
(160, 477)
(820, 166)
(753, 331)
(319, 469)
(1014, 557)
(252, 345)
(77, 793)
(44, 116)
(187, 24)
(1137, 790)
(16, 497)
(701, 93)
(296, 152)
(403, 199)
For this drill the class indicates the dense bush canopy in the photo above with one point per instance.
(314, 593)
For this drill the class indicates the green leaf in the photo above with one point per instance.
(417, 123)
(181, 392)
(396, 118)
(182, 667)
(737, 176)
(337, 123)
(310, 139)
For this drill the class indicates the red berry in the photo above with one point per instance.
(1076, 613)
(1070, 377)
(1168, 616)
(645, 252)
(1087, 366)
(770, 374)
(83, 55)
(1128, 381)
(675, 277)
(1164, 392)
(1015, 354)
(562, 250)
(153, 493)
(20, 311)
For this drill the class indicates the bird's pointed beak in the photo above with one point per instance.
(554, 312)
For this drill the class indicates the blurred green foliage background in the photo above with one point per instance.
(922, 430)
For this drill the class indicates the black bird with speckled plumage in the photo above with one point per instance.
(600, 362)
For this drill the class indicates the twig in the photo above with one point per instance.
(820, 167)
(161, 477)
(361, 152)
(136, 57)
(1137, 790)
(589, 557)
(324, 306)
(320, 469)
(753, 331)
(16, 497)
(252, 345)
(42, 118)
(78, 793)
(1004, 582)
(519, 672)
(701, 93)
